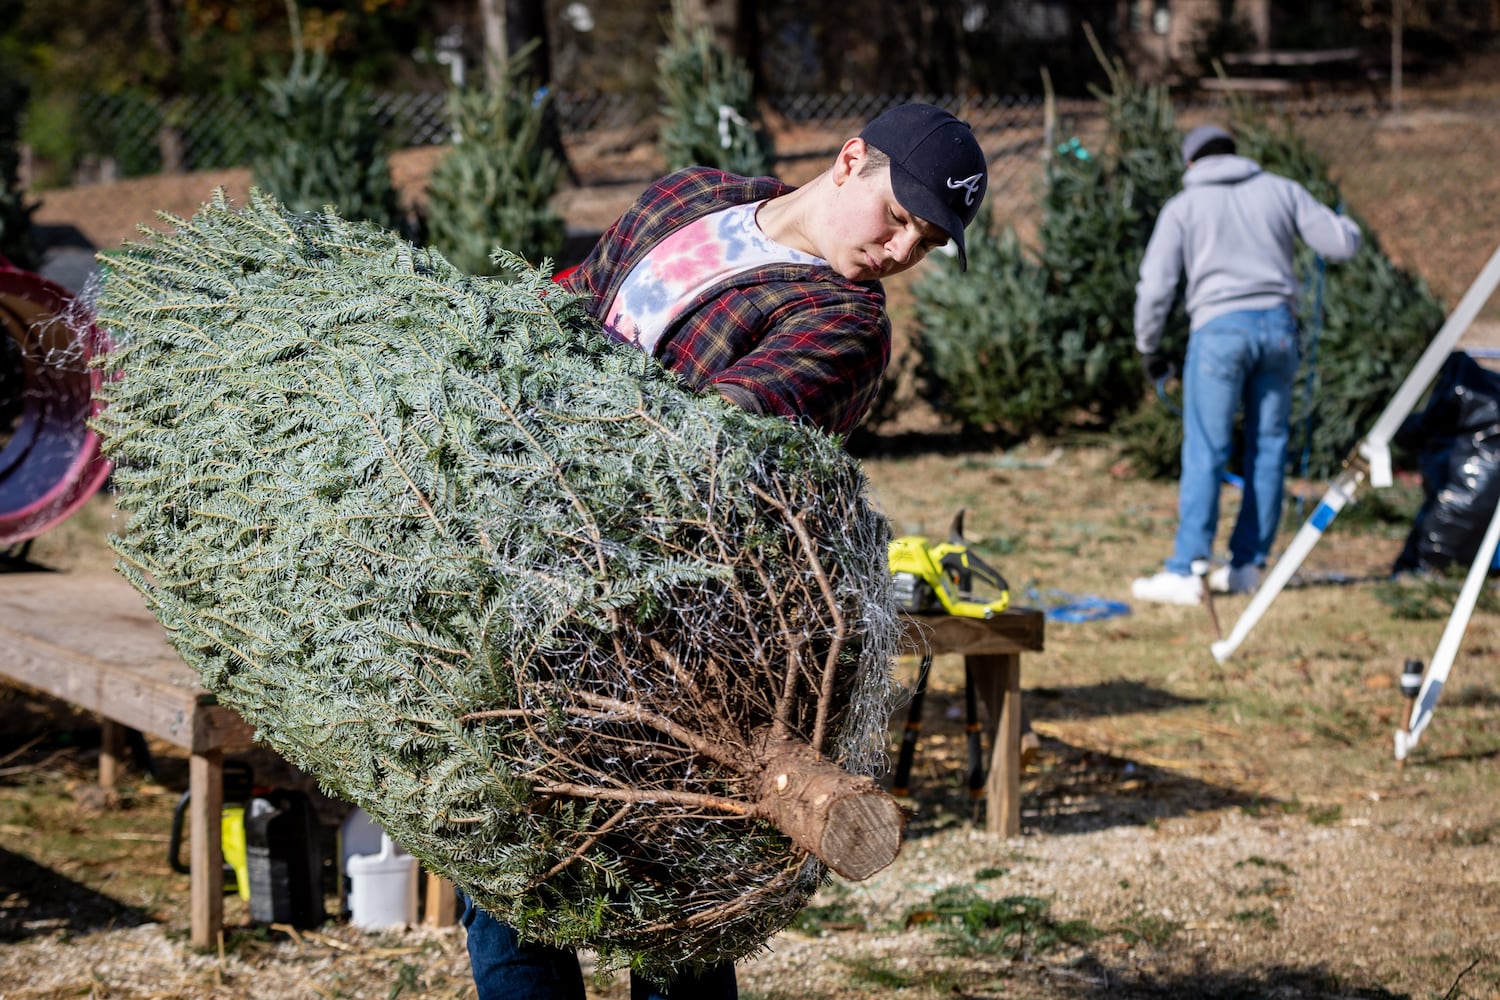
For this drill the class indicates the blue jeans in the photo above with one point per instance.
(506, 969)
(1241, 359)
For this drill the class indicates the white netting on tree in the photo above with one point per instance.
(501, 582)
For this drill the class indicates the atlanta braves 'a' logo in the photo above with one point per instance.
(970, 187)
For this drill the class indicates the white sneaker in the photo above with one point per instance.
(1168, 588)
(1234, 579)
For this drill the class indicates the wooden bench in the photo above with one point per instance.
(992, 650)
(1247, 85)
(89, 640)
(1282, 71)
(1284, 59)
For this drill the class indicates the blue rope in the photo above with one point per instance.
(1061, 606)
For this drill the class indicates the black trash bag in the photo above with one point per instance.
(1457, 441)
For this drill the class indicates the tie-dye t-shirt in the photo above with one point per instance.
(688, 262)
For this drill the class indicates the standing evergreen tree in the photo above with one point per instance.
(1097, 217)
(320, 144)
(1054, 342)
(1051, 341)
(708, 107)
(494, 187)
(986, 358)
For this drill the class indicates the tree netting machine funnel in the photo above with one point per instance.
(1372, 460)
(49, 458)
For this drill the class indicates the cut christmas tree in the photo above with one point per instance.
(612, 656)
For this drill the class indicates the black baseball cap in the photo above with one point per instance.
(938, 171)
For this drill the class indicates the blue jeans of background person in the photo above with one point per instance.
(506, 969)
(1241, 360)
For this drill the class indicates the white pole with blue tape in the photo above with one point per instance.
(1447, 648)
(1339, 493)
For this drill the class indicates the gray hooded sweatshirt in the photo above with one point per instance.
(1233, 229)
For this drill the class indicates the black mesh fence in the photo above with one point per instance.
(1424, 179)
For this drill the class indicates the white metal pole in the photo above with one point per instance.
(1447, 648)
(1376, 444)
(1339, 493)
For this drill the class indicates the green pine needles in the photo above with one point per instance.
(1047, 345)
(708, 108)
(499, 581)
(1040, 340)
(494, 187)
(319, 143)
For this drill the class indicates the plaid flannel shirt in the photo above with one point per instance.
(794, 340)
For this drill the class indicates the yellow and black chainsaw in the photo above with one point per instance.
(930, 578)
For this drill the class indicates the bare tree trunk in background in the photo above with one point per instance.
(525, 21)
(509, 26)
(933, 49)
(735, 26)
(748, 45)
(1397, 59)
(492, 23)
(161, 28)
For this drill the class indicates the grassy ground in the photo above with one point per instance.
(1189, 828)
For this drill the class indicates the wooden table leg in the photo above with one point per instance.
(206, 852)
(999, 678)
(111, 748)
(442, 902)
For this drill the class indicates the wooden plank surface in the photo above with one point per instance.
(1017, 630)
(88, 639)
(1292, 57)
(1247, 84)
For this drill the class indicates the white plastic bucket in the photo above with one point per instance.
(358, 834)
(383, 888)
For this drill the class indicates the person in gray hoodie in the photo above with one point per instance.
(1232, 231)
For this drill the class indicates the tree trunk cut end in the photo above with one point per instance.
(848, 821)
(863, 834)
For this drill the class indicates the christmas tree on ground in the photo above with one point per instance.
(708, 107)
(612, 656)
(1041, 340)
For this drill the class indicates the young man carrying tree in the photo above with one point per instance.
(770, 296)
